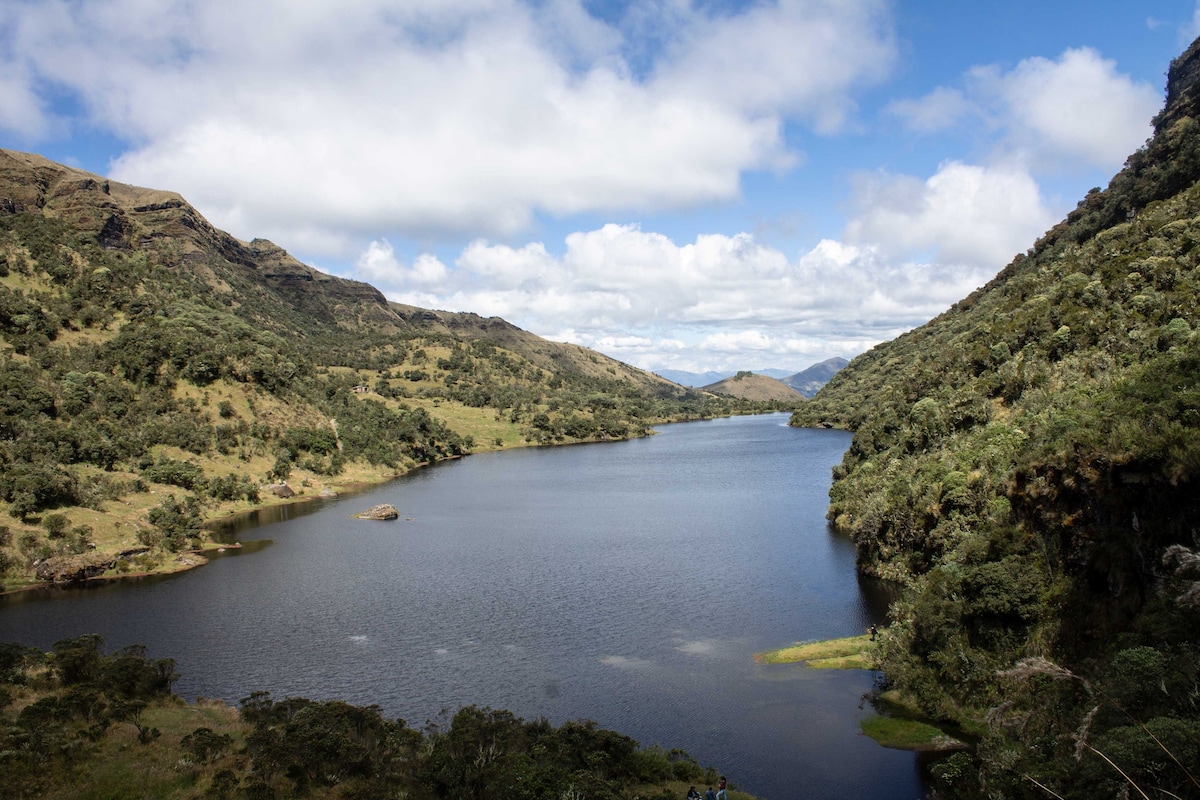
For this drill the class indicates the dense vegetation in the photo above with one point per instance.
(80, 723)
(1026, 464)
(154, 371)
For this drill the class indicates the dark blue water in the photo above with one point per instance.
(628, 583)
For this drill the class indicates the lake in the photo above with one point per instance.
(628, 583)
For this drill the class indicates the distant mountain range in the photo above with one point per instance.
(699, 379)
(807, 382)
(810, 381)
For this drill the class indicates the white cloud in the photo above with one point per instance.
(740, 341)
(20, 109)
(941, 109)
(1076, 109)
(975, 216)
(378, 264)
(1188, 31)
(715, 302)
(1077, 106)
(328, 123)
(796, 56)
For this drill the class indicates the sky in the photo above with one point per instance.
(703, 185)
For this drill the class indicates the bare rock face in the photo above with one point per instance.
(382, 511)
(280, 490)
(69, 569)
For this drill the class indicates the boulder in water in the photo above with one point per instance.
(382, 511)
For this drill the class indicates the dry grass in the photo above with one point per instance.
(481, 423)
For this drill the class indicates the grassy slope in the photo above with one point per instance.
(757, 387)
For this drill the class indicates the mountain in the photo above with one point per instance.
(697, 379)
(748, 386)
(1026, 465)
(777, 374)
(810, 381)
(693, 379)
(156, 372)
(281, 288)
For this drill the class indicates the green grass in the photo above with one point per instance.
(851, 652)
(480, 423)
(909, 734)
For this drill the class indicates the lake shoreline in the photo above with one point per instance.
(186, 560)
(510, 588)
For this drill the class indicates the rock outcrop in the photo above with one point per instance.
(381, 511)
(74, 568)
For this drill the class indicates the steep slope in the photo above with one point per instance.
(808, 382)
(1027, 464)
(748, 386)
(155, 371)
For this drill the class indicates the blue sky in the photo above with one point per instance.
(713, 185)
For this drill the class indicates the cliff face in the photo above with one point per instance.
(1183, 89)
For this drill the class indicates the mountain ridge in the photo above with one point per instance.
(808, 382)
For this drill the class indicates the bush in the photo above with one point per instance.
(178, 522)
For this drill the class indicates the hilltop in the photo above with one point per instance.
(748, 386)
(1026, 465)
(156, 372)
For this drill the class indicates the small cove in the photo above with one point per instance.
(629, 583)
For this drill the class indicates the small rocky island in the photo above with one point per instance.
(382, 511)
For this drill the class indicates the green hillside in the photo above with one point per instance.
(1027, 464)
(156, 372)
